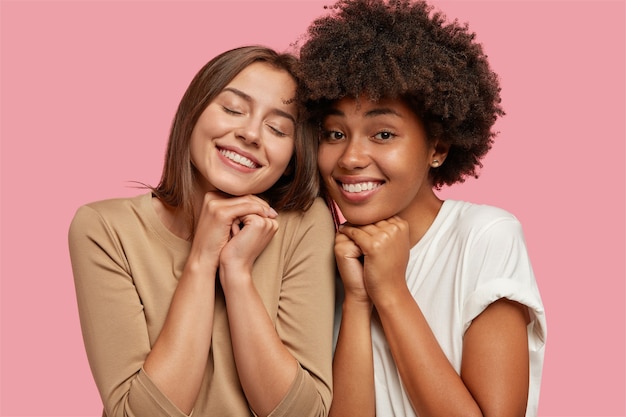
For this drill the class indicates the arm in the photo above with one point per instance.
(430, 381)
(353, 369)
(178, 358)
(168, 374)
(499, 384)
(266, 368)
(284, 361)
(113, 319)
(177, 361)
(494, 375)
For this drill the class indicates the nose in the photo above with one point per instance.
(250, 131)
(355, 155)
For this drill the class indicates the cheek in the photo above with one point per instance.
(281, 153)
(213, 123)
(195, 148)
(326, 160)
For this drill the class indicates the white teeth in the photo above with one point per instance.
(242, 160)
(362, 186)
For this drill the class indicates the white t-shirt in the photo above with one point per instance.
(471, 256)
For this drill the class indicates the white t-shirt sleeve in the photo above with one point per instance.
(498, 267)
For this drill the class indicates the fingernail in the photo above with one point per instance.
(273, 212)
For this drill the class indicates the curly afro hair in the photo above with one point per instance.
(402, 49)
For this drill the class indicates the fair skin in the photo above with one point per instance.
(240, 146)
(374, 159)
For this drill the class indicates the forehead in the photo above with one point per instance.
(364, 107)
(265, 83)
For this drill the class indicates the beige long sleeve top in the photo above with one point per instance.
(126, 266)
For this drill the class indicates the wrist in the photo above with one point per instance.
(357, 303)
(390, 300)
(235, 280)
(199, 266)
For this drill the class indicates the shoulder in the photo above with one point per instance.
(110, 214)
(308, 226)
(318, 214)
(113, 207)
(319, 211)
(481, 213)
(476, 219)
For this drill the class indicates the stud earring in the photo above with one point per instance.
(435, 163)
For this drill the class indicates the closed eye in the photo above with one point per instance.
(277, 131)
(231, 111)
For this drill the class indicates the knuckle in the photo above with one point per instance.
(211, 204)
(377, 245)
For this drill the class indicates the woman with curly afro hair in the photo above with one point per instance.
(441, 314)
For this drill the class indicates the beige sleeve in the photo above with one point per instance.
(112, 320)
(305, 313)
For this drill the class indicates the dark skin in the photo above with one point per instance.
(366, 145)
(494, 373)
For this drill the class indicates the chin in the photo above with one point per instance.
(362, 217)
(234, 190)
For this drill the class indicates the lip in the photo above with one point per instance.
(234, 164)
(359, 189)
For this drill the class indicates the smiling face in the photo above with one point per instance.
(244, 139)
(374, 158)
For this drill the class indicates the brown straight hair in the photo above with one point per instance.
(295, 190)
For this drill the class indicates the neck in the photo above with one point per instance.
(172, 218)
(421, 216)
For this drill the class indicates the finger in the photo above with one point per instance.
(227, 211)
(255, 199)
(375, 239)
(216, 195)
(341, 237)
(224, 199)
(263, 224)
(235, 227)
(347, 230)
(395, 221)
(360, 234)
(388, 226)
(369, 229)
(346, 248)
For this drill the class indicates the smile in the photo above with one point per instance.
(360, 187)
(241, 160)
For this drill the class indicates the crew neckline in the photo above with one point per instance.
(159, 228)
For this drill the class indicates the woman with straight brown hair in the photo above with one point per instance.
(213, 293)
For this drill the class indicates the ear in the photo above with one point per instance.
(438, 154)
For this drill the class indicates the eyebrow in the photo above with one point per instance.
(380, 111)
(249, 99)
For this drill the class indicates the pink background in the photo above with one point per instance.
(88, 92)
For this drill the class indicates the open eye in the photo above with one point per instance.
(332, 135)
(384, 135)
